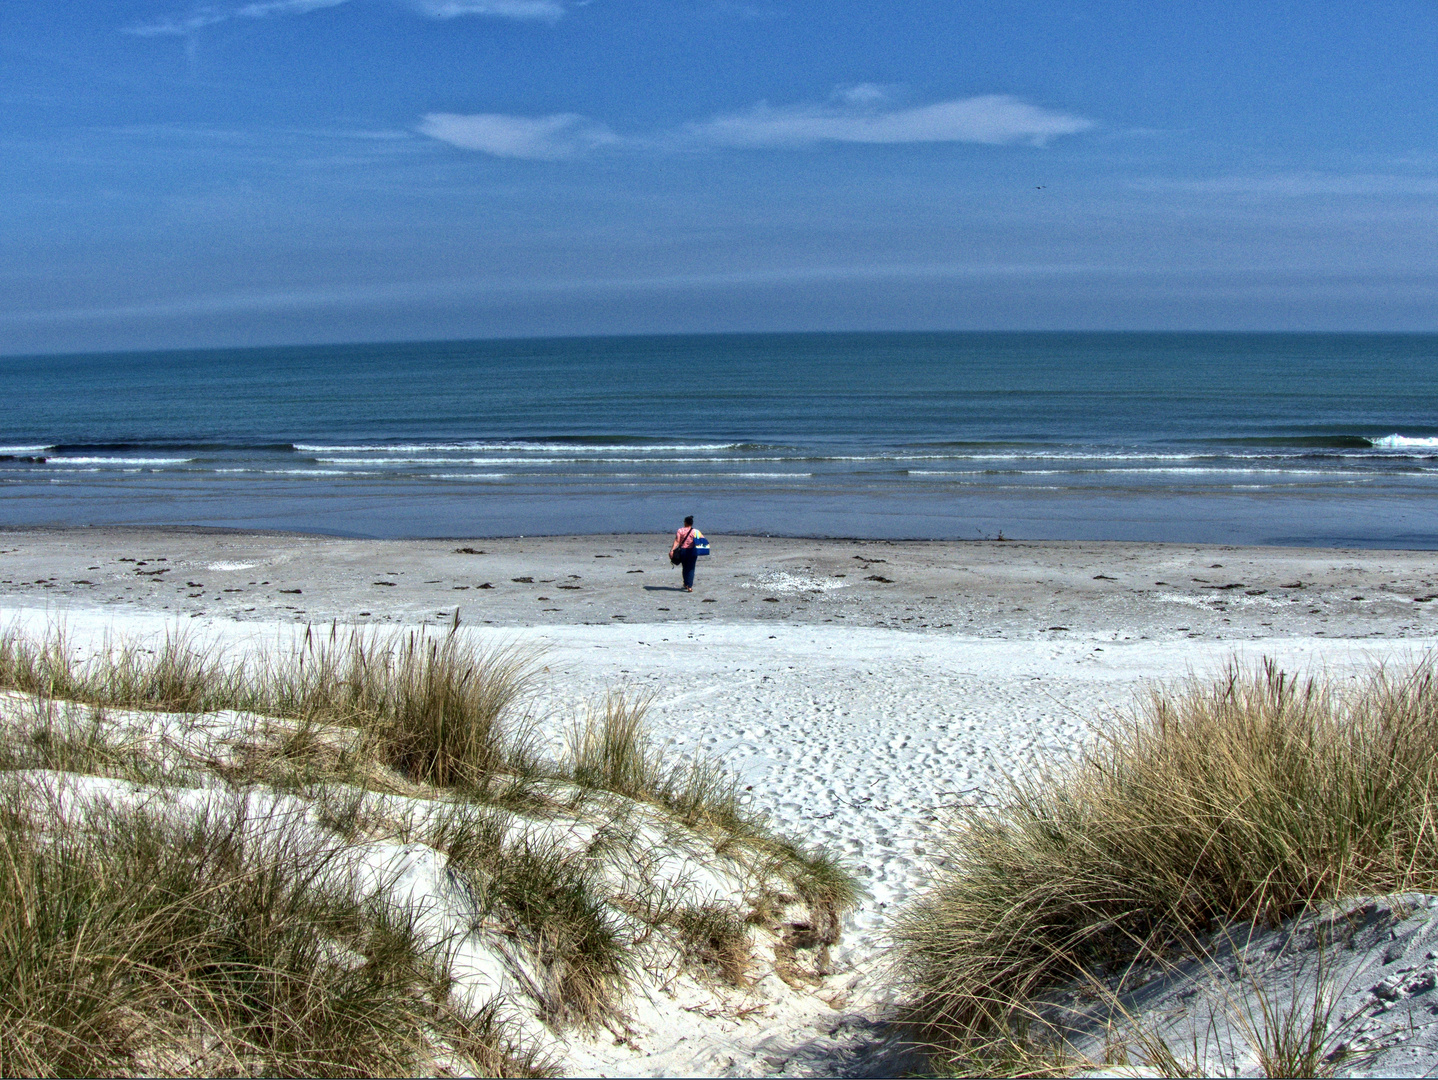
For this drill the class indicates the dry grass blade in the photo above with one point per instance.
(610, 749)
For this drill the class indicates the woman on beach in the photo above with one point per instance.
(683, 551)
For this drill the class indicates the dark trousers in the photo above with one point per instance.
(687, 558)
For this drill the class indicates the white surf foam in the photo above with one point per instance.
(123, 461)
(1405, 442)
(512, 447)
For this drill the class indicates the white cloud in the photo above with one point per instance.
(535, 138)
(210, 15)
(213, 14)
(992, 118)
(265, 8)
(546, 10)
(856, 114)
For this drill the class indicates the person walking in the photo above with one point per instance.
(683, 552)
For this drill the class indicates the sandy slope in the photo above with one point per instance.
(857, 709)
(1365, 968)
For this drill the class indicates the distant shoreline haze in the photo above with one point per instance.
(1274, 438)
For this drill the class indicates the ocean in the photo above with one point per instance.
(1310, 439)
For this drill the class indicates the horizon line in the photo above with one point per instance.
(654, 336)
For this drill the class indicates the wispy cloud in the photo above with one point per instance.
(862, 114)
(541, 10)
(209, 15)
(536, 138)
(212, 14)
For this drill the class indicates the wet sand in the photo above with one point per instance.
(981, 589)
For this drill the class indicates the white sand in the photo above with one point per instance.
(854, 732)
(1365, 968)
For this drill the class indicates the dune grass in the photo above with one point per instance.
(431, 716)
(548, 894)
(137, 944)
(435, 708)
(1245, 797)
(611, 750)
(61, 736)
(715, 937)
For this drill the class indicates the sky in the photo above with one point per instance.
(253, 172)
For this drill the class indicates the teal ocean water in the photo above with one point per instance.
(1235, 438)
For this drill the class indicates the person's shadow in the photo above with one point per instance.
(662, 588)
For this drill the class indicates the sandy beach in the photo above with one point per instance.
(982, 589)
(859, 688)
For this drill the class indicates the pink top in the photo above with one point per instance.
(684, 536)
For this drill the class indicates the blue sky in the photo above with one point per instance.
(268, 171)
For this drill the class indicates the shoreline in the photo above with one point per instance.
(1289, 544)
(1023, 589)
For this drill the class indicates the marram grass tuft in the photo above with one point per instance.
(1245, 797)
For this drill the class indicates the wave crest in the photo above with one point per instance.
(1406, 442)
